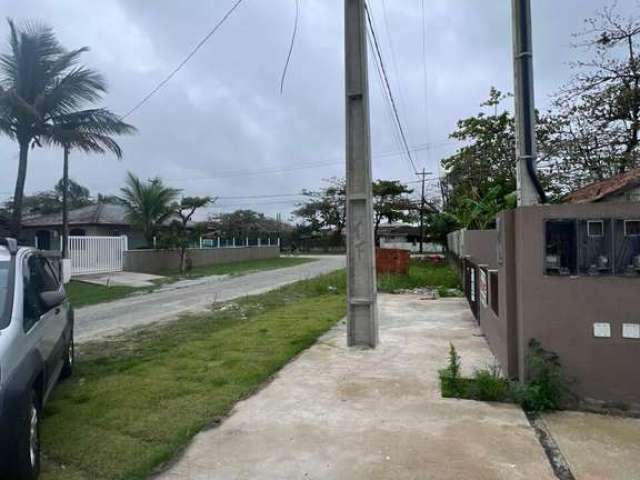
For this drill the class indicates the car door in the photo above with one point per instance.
(41, 325)
(58, 320)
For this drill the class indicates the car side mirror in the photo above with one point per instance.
(52, 298)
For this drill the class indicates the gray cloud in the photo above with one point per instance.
(223, 113)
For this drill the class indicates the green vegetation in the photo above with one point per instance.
(422, 274)
(546, 389)
(82, 294)
(248, 266)
(135, 401)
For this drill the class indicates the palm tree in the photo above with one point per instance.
(39, 81)
(148, 204)
(90, 131)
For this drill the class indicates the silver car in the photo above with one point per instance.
(36, 349)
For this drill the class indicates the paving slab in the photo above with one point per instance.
(124, 279)
(346, 413)
(597, 446)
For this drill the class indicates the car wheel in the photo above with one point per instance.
(27, 459)
(69, 359)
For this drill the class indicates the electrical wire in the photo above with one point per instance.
(291, 45)
(388, 88)
(426, 77)
(200, 44)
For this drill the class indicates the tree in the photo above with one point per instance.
(181, 234)
(488, 158)
(39, 81)
(325, 208)
(148, 204)
(243, 223)
(391, 202)
(50, 201)
(598, 111)
(90, 131)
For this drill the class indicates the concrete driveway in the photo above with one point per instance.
(97, 321)
(341, 413)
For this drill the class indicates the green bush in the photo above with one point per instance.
(545, 390)
(489, 386)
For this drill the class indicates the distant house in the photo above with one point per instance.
(101, 219)
(620, 188)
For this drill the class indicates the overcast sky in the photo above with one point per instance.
(221, 127)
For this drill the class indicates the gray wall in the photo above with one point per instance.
(159, 261)
(560, 311)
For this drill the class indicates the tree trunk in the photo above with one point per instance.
(16, 218)
(65, 204)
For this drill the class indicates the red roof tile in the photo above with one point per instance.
(595, 192)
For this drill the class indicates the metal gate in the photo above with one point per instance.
(96, 254)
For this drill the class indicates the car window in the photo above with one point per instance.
(50, 278)
(4, 293)
(34, 283)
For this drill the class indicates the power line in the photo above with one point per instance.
(184, 62)
(426, 77)
(389, 92)
(293, 41)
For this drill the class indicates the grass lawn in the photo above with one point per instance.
(82, 294)
(244, 267)
(422, 275)
(135, 402)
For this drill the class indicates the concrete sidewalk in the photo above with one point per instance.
(340, 413)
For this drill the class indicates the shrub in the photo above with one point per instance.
(546, 388)
(450, 380)
(488, 385)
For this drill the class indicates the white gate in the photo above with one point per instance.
(96, 254)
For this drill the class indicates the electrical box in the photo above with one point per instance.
(627, 247)
(560, 247)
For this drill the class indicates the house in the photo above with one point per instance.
(405, 237)
(620, 188)
(101, 219)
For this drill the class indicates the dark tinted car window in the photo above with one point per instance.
(49, 277)
(4, 293)
(34, 283)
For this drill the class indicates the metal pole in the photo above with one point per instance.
(524, 102)
(422, 212)
(362, 318)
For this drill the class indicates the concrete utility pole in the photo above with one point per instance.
(422, 174)
(362, 325)
(524, 102)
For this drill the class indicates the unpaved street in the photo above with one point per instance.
(168, 303)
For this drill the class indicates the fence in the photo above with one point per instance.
(96, 254)
(238, 242)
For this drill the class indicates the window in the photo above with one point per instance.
(595, 228)
(561, 256)
(32, 286)
(50, 277)
(632, 228)
(627, 247)
(594, 255)
(494, 292)
(38, 277)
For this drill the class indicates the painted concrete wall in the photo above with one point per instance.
(560, 312)
(158, 261)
